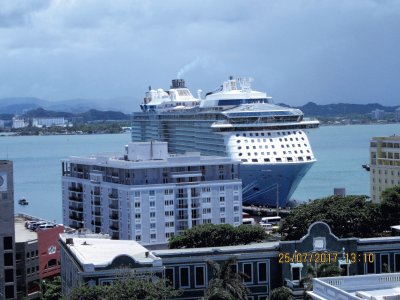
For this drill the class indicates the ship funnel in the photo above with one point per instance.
(178, 84)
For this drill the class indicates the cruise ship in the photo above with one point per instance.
(234, 121)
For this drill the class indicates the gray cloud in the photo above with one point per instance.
(298, 51)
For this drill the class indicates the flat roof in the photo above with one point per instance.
(221, 249)
(23, 234)
(100, 252)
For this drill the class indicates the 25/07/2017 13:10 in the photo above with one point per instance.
(325, 257)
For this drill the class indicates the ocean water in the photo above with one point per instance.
(340, 151)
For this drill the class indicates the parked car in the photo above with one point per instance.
(33, 226)
(45, 226)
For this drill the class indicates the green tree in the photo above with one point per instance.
(226, 283)
(210, 235)
(347, 216)
(281, 293)
(127, 287)
(390, 206)
(51, 288)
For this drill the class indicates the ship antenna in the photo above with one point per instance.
(151, 149)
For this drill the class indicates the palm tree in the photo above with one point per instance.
(226, 283)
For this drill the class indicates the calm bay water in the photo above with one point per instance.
(340, 150)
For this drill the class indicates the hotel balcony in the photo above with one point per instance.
(95, 193)
(114, 216)
(96, 223)
(113, 196)
(76, 217)
(96, 212)
(113, 206)
(114, 227)
(76, 198)
(96, 202)
(76, 208)
(77, 189)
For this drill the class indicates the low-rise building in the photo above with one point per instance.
(372, 287)
(267, 265)
(384, 164)
(95, 259)
(48, 122)
(37, 256)
(149, 195)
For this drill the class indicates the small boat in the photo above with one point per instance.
(23, 201)
(366, 167)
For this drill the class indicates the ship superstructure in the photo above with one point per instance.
(234, 121)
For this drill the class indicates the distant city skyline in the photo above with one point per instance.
(297, 51)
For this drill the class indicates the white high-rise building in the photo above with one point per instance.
(149, 195)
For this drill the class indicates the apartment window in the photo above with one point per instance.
(184, 277)
(8, 242)
(152, 203)
(199, 276)
(385, 265)
(9, 275)
(222, 209)
(137, 194)
(222, 221)
(8, 259)
(137, 204)
(221, 199)
(152, 225)
(248, 272)
(222, 188)
(236, 219)
(206, 210)
(207, 221)
(168, 192)
(153, 236)
(397, 262)
(137, 216)
(370, 268)
(138, 226)
(207, 200)
(236, 208)
(152, 214)
(262, 272)
(169, 275)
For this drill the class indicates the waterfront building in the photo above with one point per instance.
(397, 114)
(267, 265)
(8, 285)
(149, 195)
(18, 123)
(48, 122)
(384, 164)
(378, 114)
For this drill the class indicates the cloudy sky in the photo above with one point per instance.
(326, 51)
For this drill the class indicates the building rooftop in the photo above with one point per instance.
(146, 155)
(97, 251)
(23, 234)
(222, 249)
(373, 287)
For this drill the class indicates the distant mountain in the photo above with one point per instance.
(312, 109)
(88, 116)
(22, 104)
